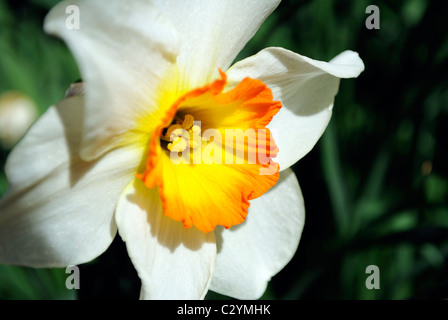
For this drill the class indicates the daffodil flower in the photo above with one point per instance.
(157, 75)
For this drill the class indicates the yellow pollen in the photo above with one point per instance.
(181, 134)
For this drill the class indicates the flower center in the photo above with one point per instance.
(182, 134)
(192, 191)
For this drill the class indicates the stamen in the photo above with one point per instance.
(181, 134)
(178, 145)
(188, 122)
(196, 130)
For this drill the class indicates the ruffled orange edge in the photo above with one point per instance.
(207, 195)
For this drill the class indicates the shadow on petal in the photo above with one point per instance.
(167, 232)
(71, 114)
(59, 209)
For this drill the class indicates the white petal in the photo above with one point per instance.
(251, 253)
(59, 209)
(172, 262)
(212, 33)
(305, 87)
(124, 50)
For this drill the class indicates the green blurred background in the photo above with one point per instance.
(375, 186)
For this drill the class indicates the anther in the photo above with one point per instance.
(181, 134)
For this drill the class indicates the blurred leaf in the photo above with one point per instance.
(33, 284)
(436, 189)
(48, 4)
(413, 11)
(334, 176)
(433, 255)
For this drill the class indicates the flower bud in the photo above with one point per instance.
(17, 113)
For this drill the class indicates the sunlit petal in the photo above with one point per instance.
(59, 209)
(123, 52)
(306, 88)
(172, 262)
(251, 253)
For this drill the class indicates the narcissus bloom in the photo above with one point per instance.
(142, 148)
